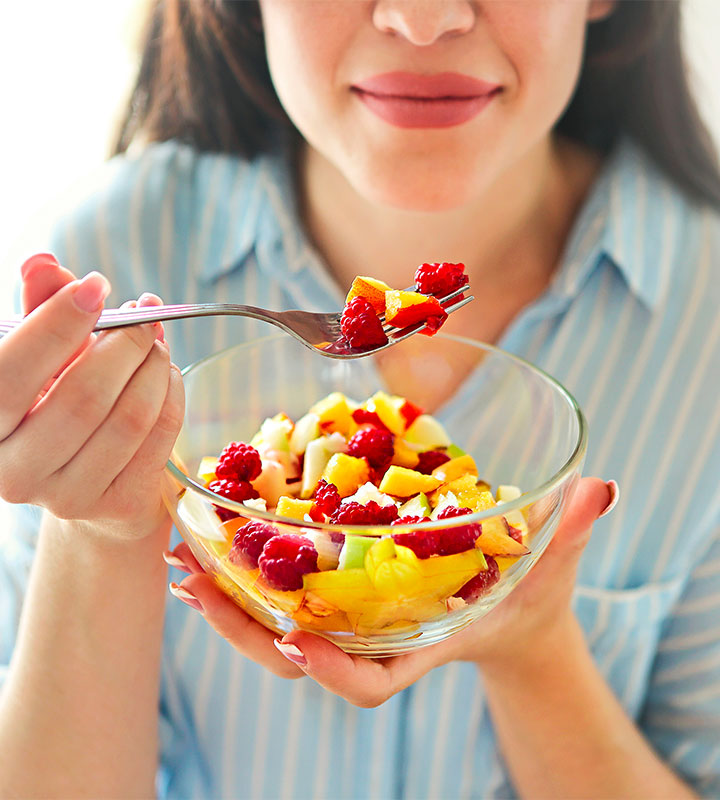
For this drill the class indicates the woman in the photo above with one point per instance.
(553, 147)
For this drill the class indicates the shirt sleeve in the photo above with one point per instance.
(681, 717)
(19, 527)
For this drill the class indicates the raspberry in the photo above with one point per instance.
(481, 582)
(285, 559)
(362, 416)
(233, 490)
(460, 538)
(353, 513)
(239, 460)
(422, 543)
(360, 325)
(429, 460)
(248, 543)
(327, 498)
(439, 278)
(410, 412)
(375, 444)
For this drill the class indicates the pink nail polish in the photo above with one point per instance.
(614, 497)
(186, 596)
(291, 652)
(173, 561)
(90, 292)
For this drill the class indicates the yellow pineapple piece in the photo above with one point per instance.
(334, 413)
(206, 470)
(292, 508)
(403, 482)
(382, 404)
(347, 473)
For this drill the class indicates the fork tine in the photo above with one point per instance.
(398, 334)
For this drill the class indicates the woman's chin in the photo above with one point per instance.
(416, 193)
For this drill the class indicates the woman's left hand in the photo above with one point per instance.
(537, 612)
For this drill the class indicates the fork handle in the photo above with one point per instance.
(121, 318)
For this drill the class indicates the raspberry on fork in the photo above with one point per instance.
(360, 325)
(439, 278)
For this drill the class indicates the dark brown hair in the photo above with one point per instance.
(204, 80)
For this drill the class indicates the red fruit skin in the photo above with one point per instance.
(375, 444)
(439, 278)
(421, 312)
(248, 543)
(360, 325)
(285, 559)
(327, 498)
(514, 532)
(480, 584)
(431, 459)
(363, 416)
(410, 412)
(240, 461)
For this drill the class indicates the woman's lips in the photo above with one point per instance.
(411, 100)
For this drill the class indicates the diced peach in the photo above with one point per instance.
(371, 289)
(388, 412)
(292, 508)
(455, 468)
(496, 541)
(403, 482)
(403, 455)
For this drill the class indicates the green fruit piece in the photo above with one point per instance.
(306, 429)
(354, 550)
(418, 506)
(427, 432)
(316, 459)
(455, 452)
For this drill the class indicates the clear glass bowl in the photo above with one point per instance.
(520, 425)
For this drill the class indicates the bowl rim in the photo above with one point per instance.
(573, 462)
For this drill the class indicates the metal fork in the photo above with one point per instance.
(319, 332)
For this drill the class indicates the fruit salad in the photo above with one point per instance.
(375, 470)
(369, 299)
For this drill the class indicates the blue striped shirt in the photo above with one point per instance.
(629, 324)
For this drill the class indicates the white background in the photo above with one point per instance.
(66, 66)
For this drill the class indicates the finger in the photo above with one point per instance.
(184, 559)
(80, 401)
(42, 278)
(360, 680)
(246, 635)
(46, 339)
(115, 442)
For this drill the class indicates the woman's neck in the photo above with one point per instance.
(510, 238)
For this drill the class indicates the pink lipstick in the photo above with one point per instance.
(412, 100)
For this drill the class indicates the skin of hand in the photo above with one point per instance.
(536, 611)
(87, 421)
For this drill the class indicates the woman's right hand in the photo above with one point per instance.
(87, 421)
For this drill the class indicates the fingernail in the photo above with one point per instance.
(614, 497)
(91, 291)
(292, 653)
(173, 561)
(149, 299)
(186, 596)
(37, 262)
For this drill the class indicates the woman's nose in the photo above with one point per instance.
(424, 22)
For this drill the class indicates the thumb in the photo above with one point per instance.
(42, 276)
(591, 499)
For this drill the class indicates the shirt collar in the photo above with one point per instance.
(633, 218)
